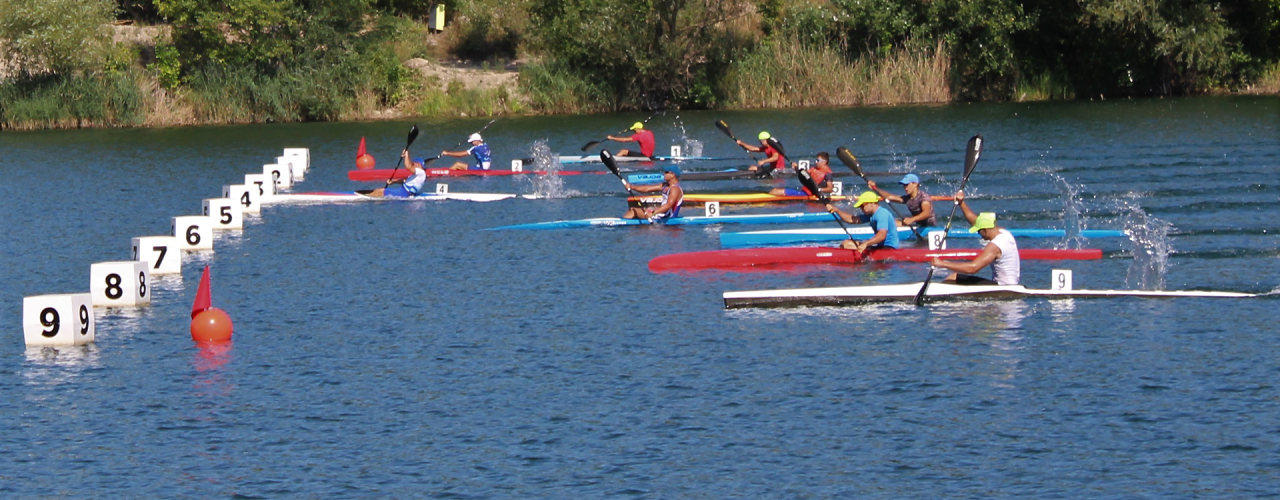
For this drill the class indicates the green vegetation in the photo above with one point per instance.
(236, 61)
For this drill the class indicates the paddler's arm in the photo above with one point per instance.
(884, 194)
(969, 215)
(748, 147)
(768, 161)
(621, 139)
(455, 154)
(989, 254)
(926, 211)
(847, 218)
(646, 188)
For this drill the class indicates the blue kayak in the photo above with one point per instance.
(794, 236)
(679, 221)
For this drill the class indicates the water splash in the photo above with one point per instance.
(1152, 247)
(1073, 218)
(691, 147)
(552, 184)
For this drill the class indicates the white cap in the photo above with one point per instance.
(475, 137)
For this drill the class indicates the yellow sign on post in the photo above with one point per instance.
(435, 21)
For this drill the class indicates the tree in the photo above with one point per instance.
(54, 36)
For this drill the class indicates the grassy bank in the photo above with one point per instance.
(788, 74)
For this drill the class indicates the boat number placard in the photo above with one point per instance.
(837, 188)
(713, 209)
(803, 165)
(937, 240)
(1060, 280)
(442, 189)
(675, 151)
(517, 166)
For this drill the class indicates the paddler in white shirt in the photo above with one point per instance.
(999, 250)
(672, 197)
(409, 187)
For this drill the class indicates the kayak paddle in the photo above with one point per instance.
(607, 158)
(852, 162)
(806, 180)
(724, 127)
(437, 157)
(971, 155)
(413, 135)
(593, 144)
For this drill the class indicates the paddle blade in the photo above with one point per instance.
(806, 180)
(413, 136)
(924, 287)
(590, 145)
(971, 155)
(777, 145)
(609, 162)
(724, 127)
(850, 161)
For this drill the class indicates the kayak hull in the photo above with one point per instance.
(356, 196)
(820, 235)
(757, 258)
(862, 295)
(678, 221)
(730, 198)
(383, 174)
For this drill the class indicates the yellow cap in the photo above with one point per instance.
(866, 197)
(637, 126)
(764, 135)
(986, 220)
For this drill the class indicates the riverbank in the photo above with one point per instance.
(502, 59)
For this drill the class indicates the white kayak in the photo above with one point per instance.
(353, 196)
(858, 295)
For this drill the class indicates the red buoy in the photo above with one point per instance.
(365, 162)
(211, 325)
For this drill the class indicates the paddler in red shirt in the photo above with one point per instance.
(821, 174)
(639, 135)
(773, 158)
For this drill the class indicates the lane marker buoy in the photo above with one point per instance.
(208, 323)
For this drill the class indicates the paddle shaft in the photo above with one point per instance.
(974, 151)
(724, 127)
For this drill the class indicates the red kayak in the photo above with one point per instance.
(737, 259)
(384, 174)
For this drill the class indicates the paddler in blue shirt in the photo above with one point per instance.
(409, 187)
(881, 220)
(672, 197)
(478, 149)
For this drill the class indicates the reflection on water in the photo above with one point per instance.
(209, 360)
(53, 366)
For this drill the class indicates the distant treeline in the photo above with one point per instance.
(221, 61)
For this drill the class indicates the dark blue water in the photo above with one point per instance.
(396, 350)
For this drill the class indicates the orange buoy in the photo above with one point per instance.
(211, 325)
(364, 162)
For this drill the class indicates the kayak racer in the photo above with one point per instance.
(672, 197)
(772, 155)
(408, 187)
(999, 251)
(881, 220)
(478, 149)
(821, 174)
(639, 135)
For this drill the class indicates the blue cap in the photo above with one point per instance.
(908, 179)
(673, 169)
(419, 159)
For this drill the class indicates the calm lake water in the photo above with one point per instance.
(397, 350)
